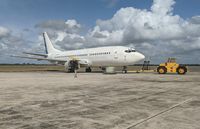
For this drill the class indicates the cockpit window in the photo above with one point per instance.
(130, 50)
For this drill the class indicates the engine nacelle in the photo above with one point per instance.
(85, 63)
(75, 64)
(66, 66)
(72, 65)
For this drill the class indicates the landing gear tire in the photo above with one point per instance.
(103, 69)
(88, 70)
(181, 70)
(162, 70)
(71, 70)
(124, 70)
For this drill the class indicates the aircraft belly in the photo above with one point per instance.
(108, 62)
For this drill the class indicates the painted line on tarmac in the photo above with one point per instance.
(158, 114)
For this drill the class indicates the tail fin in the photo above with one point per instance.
(48, 45)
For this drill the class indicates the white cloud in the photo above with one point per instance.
(195, 20)
(52, 26)
(4, 32)
(61, 36)
(72, 24)
(96, 33)
(162, 7)
(141, 25)
(13, 44)
(70, 41)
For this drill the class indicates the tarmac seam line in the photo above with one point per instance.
(158, 114)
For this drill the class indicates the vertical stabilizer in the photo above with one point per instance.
(48, 45)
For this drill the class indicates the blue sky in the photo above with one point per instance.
(159, 28)
(27, 13)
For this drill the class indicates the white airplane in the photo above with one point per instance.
(102, 57)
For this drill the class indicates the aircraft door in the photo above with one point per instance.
(115, 55)
(124, 57)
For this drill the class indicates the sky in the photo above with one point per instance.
(158, 29)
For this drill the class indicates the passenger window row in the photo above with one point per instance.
(102, 53)
(92, 54)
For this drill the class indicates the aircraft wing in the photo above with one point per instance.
(36, 54)
(60, 61)
(40, 58)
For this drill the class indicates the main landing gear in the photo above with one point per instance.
(74, 66)
(88, 70)
(124, 70)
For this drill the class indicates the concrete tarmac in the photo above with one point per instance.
(56, 100)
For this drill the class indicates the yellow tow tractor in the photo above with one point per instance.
(171, 67)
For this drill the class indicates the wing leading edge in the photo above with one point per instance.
(39, 58)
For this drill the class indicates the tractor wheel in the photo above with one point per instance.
(162, 70)
(181, 70)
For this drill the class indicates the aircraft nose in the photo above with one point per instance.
(140, 56)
